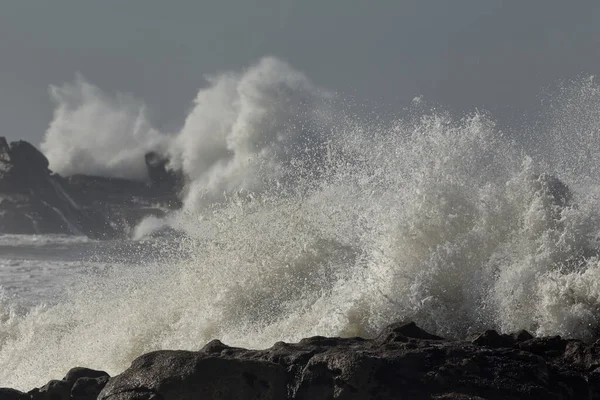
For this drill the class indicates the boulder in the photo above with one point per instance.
(78, 384)
(77, 373)
(26, 157)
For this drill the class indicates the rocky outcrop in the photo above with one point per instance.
(159, 174)
(78, 384)
(403, 362)
(34, 200)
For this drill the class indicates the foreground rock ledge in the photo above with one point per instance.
(404, 362)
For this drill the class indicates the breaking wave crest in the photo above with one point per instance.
(302, 219)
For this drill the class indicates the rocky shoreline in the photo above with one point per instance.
(403, 362)
(34, 200)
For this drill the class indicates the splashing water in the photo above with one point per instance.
(303, 220)
(95, 134)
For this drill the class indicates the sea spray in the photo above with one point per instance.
(301, 219)
(94, 133)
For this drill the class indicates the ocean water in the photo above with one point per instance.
(302, 217)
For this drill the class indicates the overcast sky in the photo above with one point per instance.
(496, 55)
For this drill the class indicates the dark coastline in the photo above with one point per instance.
(403, 362)
(34, 200)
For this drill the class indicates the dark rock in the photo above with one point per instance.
(420, 366)
(583, 356)
(53, 390)
(159, 174)
(184, 375)
(79, 383)
(5, 161)
(521, 336)
(548, 346)
(35, 201)
(493, 339)
(86, 383)
(12, 394)
(88, 388)
(215, 347)
(401, 331)
(26, 157)
(79, 372)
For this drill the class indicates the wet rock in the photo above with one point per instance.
(12, 394)
(53, 390)
(419, 366)
(77, 373)
(187, 375)
(88, 388)
(582, 355)
(547, 346)
(521, 336)
(493, 339)
(78, 384)
(401, 331)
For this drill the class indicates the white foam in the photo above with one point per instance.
(41, 240)
(430, 218)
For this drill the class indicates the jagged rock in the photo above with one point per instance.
(33, 200)
(584, 356)
(26, 157)
(419, 366)
(78, 384)
(401, 331)
(553, 346)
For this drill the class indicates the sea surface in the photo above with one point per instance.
(303, 218)
(41, 269)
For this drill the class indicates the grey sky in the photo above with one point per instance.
(496, 55)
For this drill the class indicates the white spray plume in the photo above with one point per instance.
(241, 123)
(97, 134)
(442, 221)
(249, 126)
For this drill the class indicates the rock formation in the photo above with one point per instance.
(34, 200)
(403, 362)
(159, 174)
